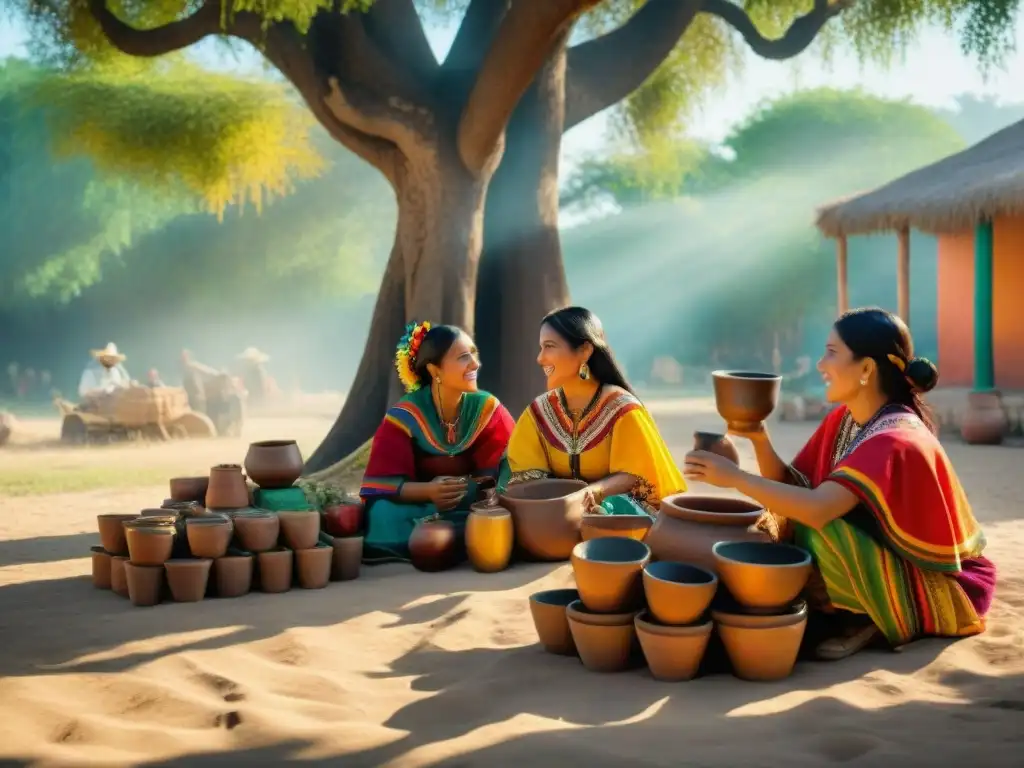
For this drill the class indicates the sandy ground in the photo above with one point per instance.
(400, 668)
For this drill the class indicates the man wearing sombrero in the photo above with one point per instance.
(104, 373)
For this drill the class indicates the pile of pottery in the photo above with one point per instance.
(626, 607)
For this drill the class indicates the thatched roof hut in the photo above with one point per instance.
(951, 195)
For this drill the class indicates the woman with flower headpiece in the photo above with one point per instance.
(873, 497)
(434, 443)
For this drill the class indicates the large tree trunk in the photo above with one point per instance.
(431, 275)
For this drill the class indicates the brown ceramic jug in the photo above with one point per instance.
(433, 545)
(717, 443)
(274, 463)
(227, 488)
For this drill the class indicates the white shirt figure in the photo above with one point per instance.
(98, 378)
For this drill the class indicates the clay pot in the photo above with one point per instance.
(687, 527)
(274, 463)
(186, 509)
(762, 574)
(149, 543)
(726, 610)
(608, 573)
(489, 538)
(630, 526)
(678, 594)
(100, 568)
(604, 642)
(433, 546)
(348, 557)
(762, 653)
(275, 570)
(112, 535)
(233, 575)
(257, 531)
(145, 583)
(745, 399)
(209, 536)
(189, 488)
(227, 488)
(985, 422)
(118, 578)
(546, 516)
(188, 579)
(314, 566)
(300, 529)
(672, 653)
(717, 443)
(551, 620)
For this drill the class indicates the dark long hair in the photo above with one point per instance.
(435, 345)
(577, 326)
(876, 333)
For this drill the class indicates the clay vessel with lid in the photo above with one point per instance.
(100, 568)
(274, 463)
(762, 575)
(275, 570)
(630, 526)
(678, 593)
(745, 398)
(604, 642)
(313, 566)
(209, 536)
(112, 534)
(118, 578)
(190, 488)
(233, 574)
(145, 583)
(188, 579)
(672, 653)
(433, 545)
(688, 526)
(227, 488)
(608, 573)
(546, 515)
(347, 559)
(489, 537)
(717, 443)
(300, 529)
(257, 531)
(149, 543)
(551, 621)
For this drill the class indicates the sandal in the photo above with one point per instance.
(836, 648)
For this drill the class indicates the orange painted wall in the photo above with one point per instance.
(955, 319)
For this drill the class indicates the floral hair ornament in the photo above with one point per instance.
(901, 365)
(406, 353)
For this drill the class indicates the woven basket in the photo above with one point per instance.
(139, 406)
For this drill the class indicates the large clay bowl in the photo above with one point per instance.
(745, 399)
(546, 515)
(689, 525)
(672, 653)
(608, 573)
(762, 574)
(632, 526)
(551, 620)
(725, 610)
(190, 488)
(273, 463)
(763, 653)
(604, 642)
(677, 593)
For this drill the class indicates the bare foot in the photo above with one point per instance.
(856, 638)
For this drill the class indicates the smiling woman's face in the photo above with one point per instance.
(459, 367)
(559, 361)
(840, 372)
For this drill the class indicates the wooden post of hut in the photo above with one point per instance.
(842, 275)
(903, 275)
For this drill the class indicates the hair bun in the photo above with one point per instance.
(922, 374)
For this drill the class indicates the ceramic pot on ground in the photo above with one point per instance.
(145, 583)
(100, 568)
(984, 422)
(489, 538)
(762, 575)
(209, 536)
(275, 570)
(717, 443)
(546, 515)
(762, 653)
(678, 594)
(148, 543)
(257, 531)
(551, 620)
(673, 654)
(118, 579)
(112, 534)
(630, 526)
(232, 575)
(433, 546)
(227, 488)
(313, 566)
(300, 529)
(608, 573)
(188, 579)
(347, 559)
(725, 610)
(744, 398)
(687, 527)
(190, 488)
(274, 463)
(605, 642)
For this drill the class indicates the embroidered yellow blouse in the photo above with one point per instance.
(616, 435)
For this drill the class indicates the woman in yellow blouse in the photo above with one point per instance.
(589, 425)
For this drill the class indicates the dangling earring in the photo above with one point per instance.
(863, 382)
(584, 371)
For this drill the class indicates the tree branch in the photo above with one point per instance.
(476, 32)
(528, 33)
(148, 43)
(797, 38)
(396, 27)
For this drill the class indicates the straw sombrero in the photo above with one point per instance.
(254, 355)
(109, 352)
